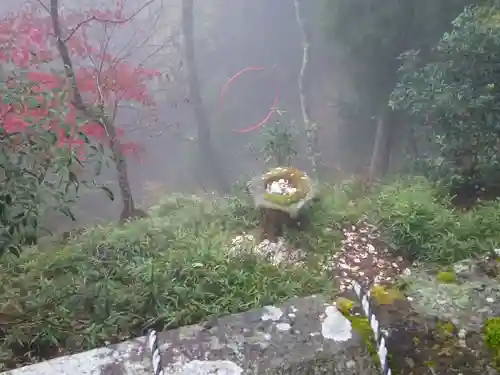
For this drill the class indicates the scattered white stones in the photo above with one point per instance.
(281, 187)
(363, 260)
(275, 252)
(462, 334)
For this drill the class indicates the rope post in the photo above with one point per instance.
(364, 299)
(380, 336)
(155, 353)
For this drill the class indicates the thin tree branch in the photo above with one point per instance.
(97, 19)
(43, 5)
(129, 209)
(309, 126)
(94, 18)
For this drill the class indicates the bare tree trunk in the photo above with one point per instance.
(379, 164)
(208, 163)
(310, 127)
(129, 210)
(412, 140)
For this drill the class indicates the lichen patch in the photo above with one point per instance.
(283, 327)
(271, 313)
(335, 326)
(197, 367)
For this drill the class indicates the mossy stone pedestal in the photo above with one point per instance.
(273, 223)
(276, 211)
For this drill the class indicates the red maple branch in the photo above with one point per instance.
(98, 19)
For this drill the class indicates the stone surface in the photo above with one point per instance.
(303, 336)
(438, 328)
(257, 190)
(127, 358)
(468, 302)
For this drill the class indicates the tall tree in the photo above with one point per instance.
(304, 84)
(372, 34)
(108, 81)
(453, 96)
(208, 164)
(98, 81)
(95, 115)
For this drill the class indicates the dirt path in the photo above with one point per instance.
(366, 259)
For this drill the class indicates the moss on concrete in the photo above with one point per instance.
(360, 324)
(385, 295)
(295, 177)
(492, 339)
(446, 277)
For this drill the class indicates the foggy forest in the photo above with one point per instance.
(165, 162)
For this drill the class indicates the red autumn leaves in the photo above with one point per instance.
(27, 43)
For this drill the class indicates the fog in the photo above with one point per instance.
(229, 36)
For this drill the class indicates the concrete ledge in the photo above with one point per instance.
(303, 336)
(127, 358)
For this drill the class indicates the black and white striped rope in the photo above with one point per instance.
(364, 298)
(380, 336)
(155, 352)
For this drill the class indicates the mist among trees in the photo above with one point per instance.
(134, 128)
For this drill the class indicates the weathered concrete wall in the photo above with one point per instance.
(303, 336)
(128, 358)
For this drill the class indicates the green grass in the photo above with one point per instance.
(412, 214)
(415, 216)
(173, 269)
(113, 283)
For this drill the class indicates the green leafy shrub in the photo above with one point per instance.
(416, 217)
(112, 283)
(413, 214)
(278, 143)
(413, 217)
(37, 173)
(453, 96)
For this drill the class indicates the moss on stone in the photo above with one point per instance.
(445, 329)
(360, 324)
(492, 333)
(446, 277)
(384, 295)
(344, 305)
(295, 177)
(492, 339)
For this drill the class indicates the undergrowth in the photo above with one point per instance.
(173, 269)
(418, 218)
(413, 215)
(110, 284)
